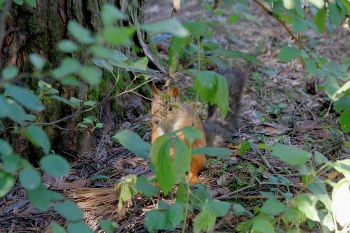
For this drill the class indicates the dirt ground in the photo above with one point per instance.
(272, 86)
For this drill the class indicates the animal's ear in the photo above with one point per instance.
(174, 92)
(155, 90)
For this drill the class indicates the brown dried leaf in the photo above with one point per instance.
(222, 180)
(332, 175)
(305, 128)
(273, 129)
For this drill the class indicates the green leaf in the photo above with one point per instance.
(64, 100)
(31, 2)
(232, 18)
(320, 19)
(191, 133)
(292, 215)
(343, 166)
(346, 143)
(262, 226)
(171, 25)
(99, 125)
(5, 148)
(89, 103)
(55, 165)
(201, 193)
(245, 146)
(91, 74)
(310, 66)
(272, 205)
(29, 178)
(119, 36)
(100, 51)
(343, 105)
(25, 98)
(318, 188)
(155, 220)
(55, 196)
(181, 160)
(146, 187)
(4, 107)
(6, 183)
(39, 197)
(218, 61)
(9, 72)
(68, 66)
(110, 14)
(118, 56)
(240, 210)
(133, 142)
(299, 9)
(332, 87)
(102, 64)
(176, 214)
(347, 5)
(287, 53)
(67, 46)
(57, 228)
(139, 65)
(334, 13)
(306, 203)
(17, 113)
(206, 84)
(70, 81)
(80, 33)
(292, 156)
(181, 194)
(38, 137)
(205, 221)
(37, 61)
(154, 151)
(11, 163)
(298, 24)
(69, 210)
(19, 2)
(221, 99)
(164, 170)
(124, 193)
(107, 225)
(320, 158)
(220, 208)
(197, 29)
(80, 227)
(211, 151)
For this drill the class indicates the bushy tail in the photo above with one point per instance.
(218, 130)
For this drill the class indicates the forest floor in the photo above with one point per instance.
(280, 104)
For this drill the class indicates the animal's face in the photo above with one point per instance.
(165, 107)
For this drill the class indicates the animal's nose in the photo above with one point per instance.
(156, 121)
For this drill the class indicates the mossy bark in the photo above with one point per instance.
(37, 30)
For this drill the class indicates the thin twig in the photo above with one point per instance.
(300, 45)
(267, 164)
(281, 22)
(247, 197)
(228, 195)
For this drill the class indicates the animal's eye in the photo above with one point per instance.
(170, 107)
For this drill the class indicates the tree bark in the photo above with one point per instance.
(37, 30)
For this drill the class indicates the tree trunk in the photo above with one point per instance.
(37, 30)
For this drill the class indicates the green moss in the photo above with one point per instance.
(94, 94)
